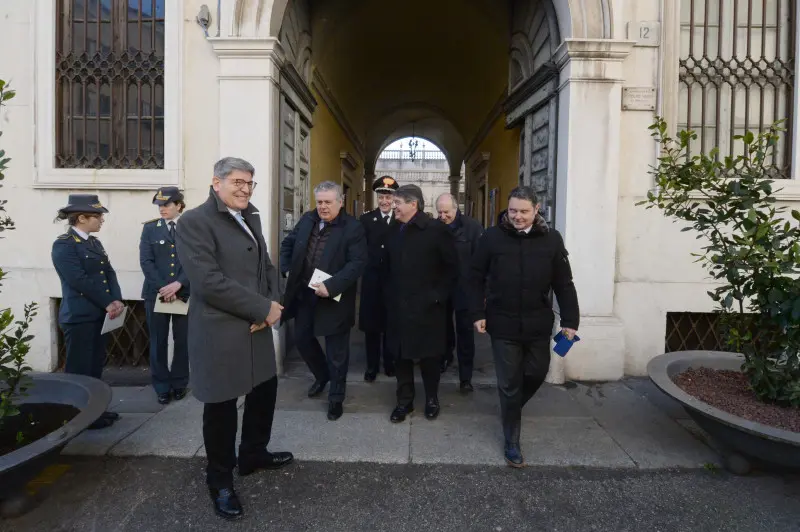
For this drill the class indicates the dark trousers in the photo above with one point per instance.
(329, 365)
(461, 338)
(404, 371)
(86, 348)
(376, 344)
(521, 369)
(164, 378)
(220, 421)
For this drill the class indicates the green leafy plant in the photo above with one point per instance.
(14, 337)
(752, 249)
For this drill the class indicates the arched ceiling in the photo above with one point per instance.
(441, 64)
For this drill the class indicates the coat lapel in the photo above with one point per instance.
(336, 232)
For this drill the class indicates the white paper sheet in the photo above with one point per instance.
(112, 325)
(174, 307)
(318, 277)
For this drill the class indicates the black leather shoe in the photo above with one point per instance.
(113, 416)
(101, 423)
(335, 411)
(389, 372)
(466, 387)
(251, 463)
(370, 376)
(178, 393)
(400, 412)
(514, 456)
(226, 503)
(163, 398)
(432, 408)
(317, 388)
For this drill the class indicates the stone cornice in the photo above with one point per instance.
(592, 49)
(299, 87)
(346, 157)
(330, 100)
(235, 47)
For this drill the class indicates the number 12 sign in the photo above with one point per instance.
(645, 33)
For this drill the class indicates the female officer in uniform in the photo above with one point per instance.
(89, 290)
(164, 279)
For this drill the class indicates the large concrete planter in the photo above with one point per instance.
(90, 396)
(738, 440)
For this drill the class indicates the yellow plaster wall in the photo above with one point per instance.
(503, 148)
(328, 140)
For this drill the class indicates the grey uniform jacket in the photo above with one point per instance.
(233, 285)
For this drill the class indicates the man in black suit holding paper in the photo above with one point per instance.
(330, 240)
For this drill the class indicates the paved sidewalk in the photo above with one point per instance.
(625, 425)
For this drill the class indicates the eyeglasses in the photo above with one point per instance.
(241, 184)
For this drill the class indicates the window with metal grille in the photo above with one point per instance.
(110, 84)
(737, 73)
(128, 346)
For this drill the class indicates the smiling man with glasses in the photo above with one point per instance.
(234, 303)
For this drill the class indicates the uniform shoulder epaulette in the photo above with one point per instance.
(63, 237)
(150, 221)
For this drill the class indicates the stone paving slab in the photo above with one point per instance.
(98, 442)
(650, 437)
(545, 442)
(664, 402)
(353, 438)
(176, 431)
(134, 400)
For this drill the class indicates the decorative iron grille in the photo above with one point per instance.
(129, 345)
(737, 73)
(693, 330)
(110, 84)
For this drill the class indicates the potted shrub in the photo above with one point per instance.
(748, 397)
(39, 412)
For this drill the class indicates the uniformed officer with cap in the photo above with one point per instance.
(164, 279)
(372, 309)
(89, 290)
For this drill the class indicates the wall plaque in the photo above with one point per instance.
(645, 32)
(638, 98)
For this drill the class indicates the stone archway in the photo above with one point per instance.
(578, 19)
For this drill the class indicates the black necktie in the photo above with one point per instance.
(172, 230)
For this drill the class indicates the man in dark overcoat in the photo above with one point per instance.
(165, 279)
(421, 271)
(466, 232)
(233, 306)
(372, 309)
(331, 241)
(517, 267)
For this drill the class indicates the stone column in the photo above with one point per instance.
(590, 95)
(455, 181)
(369, 203)
(249, 126)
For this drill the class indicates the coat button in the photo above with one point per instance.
(108, 291)
(101, 272)
(104, 281)
(172, 246)
(172, 255)
(172, 265)
(172, 274)
(102, 262)
(381, 246)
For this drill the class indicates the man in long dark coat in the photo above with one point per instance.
(234, 303)
(421, 272)
(372, 309)
(466, 232)
(330, 240)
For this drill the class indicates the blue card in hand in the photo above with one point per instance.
(563, 344)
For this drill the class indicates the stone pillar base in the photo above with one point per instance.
(600, 355)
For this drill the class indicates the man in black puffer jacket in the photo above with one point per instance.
(517, 265)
